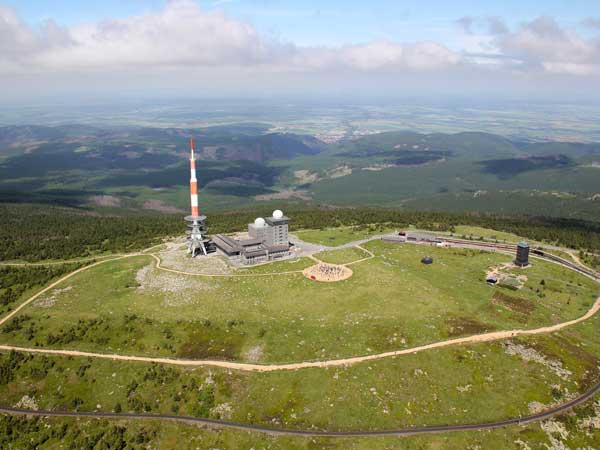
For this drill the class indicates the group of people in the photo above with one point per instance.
(330, 272)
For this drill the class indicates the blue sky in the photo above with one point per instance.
(333, 22)
(337, 22)
(240, 47)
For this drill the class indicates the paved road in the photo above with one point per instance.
(485, 337)
(218, 424)
(294, 366)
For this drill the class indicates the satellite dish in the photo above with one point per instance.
(277, 214)
(259, 222)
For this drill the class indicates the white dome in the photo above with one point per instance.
(277, 214)
(259, 222)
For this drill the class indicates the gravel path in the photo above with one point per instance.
(10, 315)
(485, 337)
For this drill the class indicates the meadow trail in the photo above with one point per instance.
(248, 367)
(479, 338)
(10, 315)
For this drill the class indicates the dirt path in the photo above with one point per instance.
(103, 258)
(339, 272)
(368, 252)
(486, 337)
(66, 261)
(236, 275)
(315, 259)
(575, 257)
(57, 282)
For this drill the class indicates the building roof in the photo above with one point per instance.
(255, 253)
(278, 248)
(195, 218)
(272, 221)
(255, 227)
(227, 244)
(421, 236)
(523, 244)
(394, 238)
(249, 242)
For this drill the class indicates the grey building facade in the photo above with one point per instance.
(268, 240)
(522, 258)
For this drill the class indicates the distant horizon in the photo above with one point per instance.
(262, 49)
(299, 100)
(514, 119)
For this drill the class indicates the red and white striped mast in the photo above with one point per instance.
(193, 181)
(195, 221)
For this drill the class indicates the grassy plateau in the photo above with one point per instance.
(391, 302)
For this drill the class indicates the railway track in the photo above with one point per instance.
(536, 251)
(221, 424)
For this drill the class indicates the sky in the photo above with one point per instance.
(255, 48)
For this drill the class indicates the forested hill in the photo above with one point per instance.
(32, 233)
(137, 168)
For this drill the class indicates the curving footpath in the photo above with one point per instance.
(368, 252)
(219, 424)
(242, 275)
(101, 258)
(57, 282)
(248, 367)
(486, 337)
(479, 338)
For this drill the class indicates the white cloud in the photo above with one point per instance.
(378, 55)
(543, 44)
(179, 35)
(466, 24)
(185, 47)
(592, 22)
(19, 43)
(538, 46)
(496, 25)
(385, 54)
(182, 35)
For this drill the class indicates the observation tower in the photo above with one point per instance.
(195, 221)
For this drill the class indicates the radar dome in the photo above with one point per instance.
(259, 222)
(277, 214)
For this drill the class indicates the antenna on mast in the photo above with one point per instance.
(195, 220)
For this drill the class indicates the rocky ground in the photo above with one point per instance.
(49, 300)
(175, 256)
(27, 402)
(531, 354)
(178, 289)
(503, 275)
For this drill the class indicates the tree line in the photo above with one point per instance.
(32, 433)
(15, 281)
(31, 233)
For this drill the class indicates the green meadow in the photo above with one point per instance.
(391, 302)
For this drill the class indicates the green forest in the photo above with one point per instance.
(15, 281)
(30, 233)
